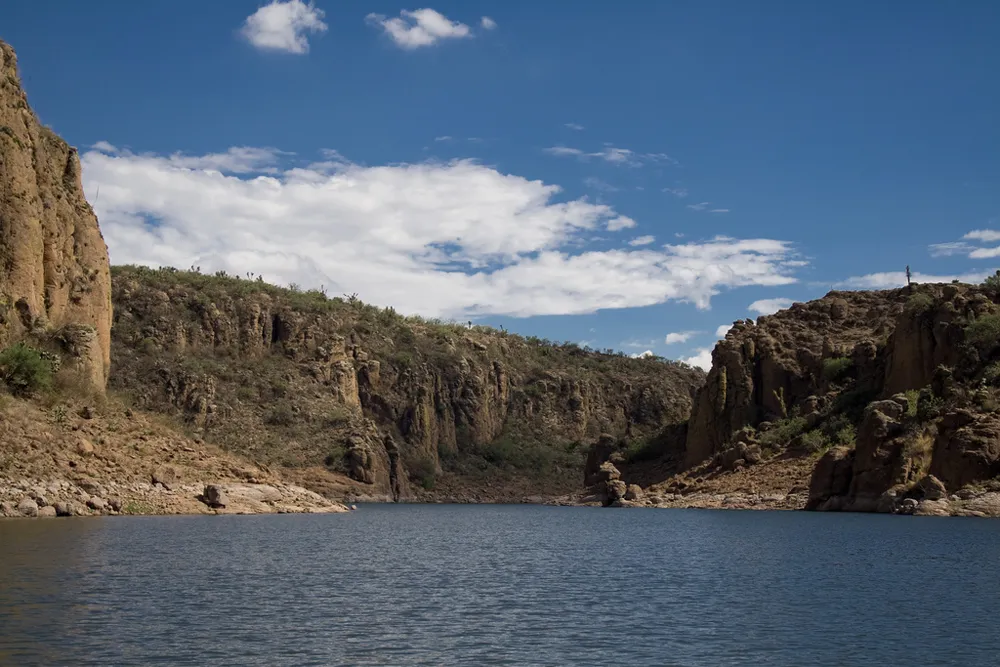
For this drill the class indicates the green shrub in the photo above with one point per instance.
(983, 332)
(993, 282)
(782, 432)
(423, 471)
(912, 400)
(280, 415)
(815, 441)
(836, 368)
(25, 370)
(919, 303)
(991, 373)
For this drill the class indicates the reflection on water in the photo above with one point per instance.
(501, 585)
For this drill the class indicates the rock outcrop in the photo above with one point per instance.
(55, 281)
(399, 405)
(894, 394)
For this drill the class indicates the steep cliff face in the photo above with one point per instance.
(762, 371)
(303, 380)
(894, 394)
(54, 272)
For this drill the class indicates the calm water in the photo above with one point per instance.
(501, 585)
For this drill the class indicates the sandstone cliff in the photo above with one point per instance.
(55, 281)
(402, 406)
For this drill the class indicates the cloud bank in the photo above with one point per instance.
(457, 239)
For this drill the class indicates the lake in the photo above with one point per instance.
(434, 585)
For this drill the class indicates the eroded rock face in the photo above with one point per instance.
(319, 380)
(763, 370)
(54, 272)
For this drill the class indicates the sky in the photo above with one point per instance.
(629, 175)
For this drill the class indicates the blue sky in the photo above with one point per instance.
(512, 171)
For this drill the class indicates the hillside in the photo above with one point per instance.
(358, 400)
(860, 401)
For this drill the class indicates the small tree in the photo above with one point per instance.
(993, 282)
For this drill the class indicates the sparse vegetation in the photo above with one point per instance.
(983, 333)
(836, 368)
(992, 282)
(919, 303)
(782, 432)
(25, 370)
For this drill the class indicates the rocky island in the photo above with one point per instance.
(133, 390)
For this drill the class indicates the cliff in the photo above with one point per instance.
(332, 387)
(55, 283)
(862, 401)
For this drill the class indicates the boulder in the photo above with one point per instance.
(166, 476)
(48, 511)
(633, 492)
(97, 504)
(932, 488)
(27, 507)
(84, 447)
(67, 508)
(214, 496)
(614, 491)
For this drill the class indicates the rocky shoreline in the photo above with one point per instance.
(59, 498)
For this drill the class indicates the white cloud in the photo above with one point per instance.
(420, 27)
(705, 206)
(454, 239)
(679, 337)
(723, 330)
(769, 306)
(575, 126)
(642, 240)
(984, 235)
(619, 223)
(283, 26)
(892, 279)
(610, 154)
(643, 355)
(984, 253)
(597, 184)
(702, 358)
(487, 23)
(951, 248)
(444, 137)
(680, 193)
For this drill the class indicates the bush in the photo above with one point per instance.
(782, 432)
(815, 441)
(25, 370)
(280, 415)
(836, 368)
(991, 373)
(919, 304)
(423, 471)
(984, 332)
(992, 282)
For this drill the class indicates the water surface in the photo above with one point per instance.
(407, 585)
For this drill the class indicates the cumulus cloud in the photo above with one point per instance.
(611, 154)
(984, 235)
(723, 330)
(679, 337)
(642, 240)
(702, 358)
(420, 27)
(487, 23)
(643, 355)
(892, 279)
(769, 306)
(283, 26)
(456, 239)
